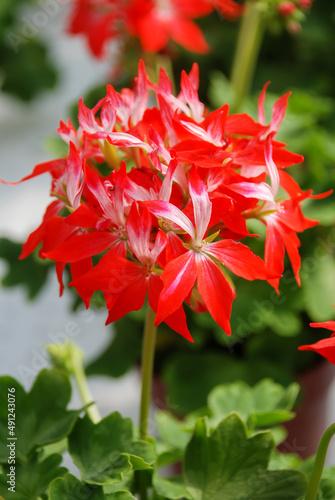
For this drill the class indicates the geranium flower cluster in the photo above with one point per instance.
(152, 22)
(160, 194)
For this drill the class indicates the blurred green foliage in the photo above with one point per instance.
(30, 273)
(25, 65)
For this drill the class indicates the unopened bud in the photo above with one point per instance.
(285, 9)
(305, 4)
(294, 27)
(64, 356)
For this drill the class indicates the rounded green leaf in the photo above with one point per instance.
(70, 488)
(41, 415)
(105, 451)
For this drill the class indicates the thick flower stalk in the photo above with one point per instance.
(160, 196)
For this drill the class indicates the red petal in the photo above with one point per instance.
(60, 266)
(189, 35)
(55, 167)
(80, 268)
(81, 246)
(153, 34)
(130, 299)
(190, 95)
(261, 100)
(74, 168)
(112, 275)
(95, 185)
(82, 217)
(229, 8)
(138, 230)
(274, 253)
(239, 259)
(165, 210)
(201, 205)
(292, 243)
(243, 124)
(35, 238)
(325, 347)
(330, 325)
(278, 111)
(215, 291)
(177, 320)
(284, 158)
(86, 118)
(174, 247)
(178, 277)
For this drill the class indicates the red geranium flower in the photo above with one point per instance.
(153, 22)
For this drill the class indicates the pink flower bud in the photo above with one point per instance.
(294, 27)
(285, 9)
(305, 4)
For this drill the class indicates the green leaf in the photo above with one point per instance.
(184, 371)
(270, 418)
(285, 323)
(171, 431)
(41, 415)
(120, 495)
(226, 398)
(104, 452)
(173, 488)
(264, 405)
(318, 287)
(70, 488)
(167, 455)
(284, 461)
(174, 438)
(228, 465)
(327, 484)
(31, 273)
(253, 313)
(203, 371)
(28, 71)
(32, 479)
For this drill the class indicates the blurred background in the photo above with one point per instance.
(43, 72)
(27, 130)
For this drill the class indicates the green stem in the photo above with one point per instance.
(85, 393)
(246, 54)
(319, 461)
(148, 351)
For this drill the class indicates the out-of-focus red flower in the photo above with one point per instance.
(153, 22)
(160, 197)
(325, 347)
(229, 8)
(162, 20)
(97, 20)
